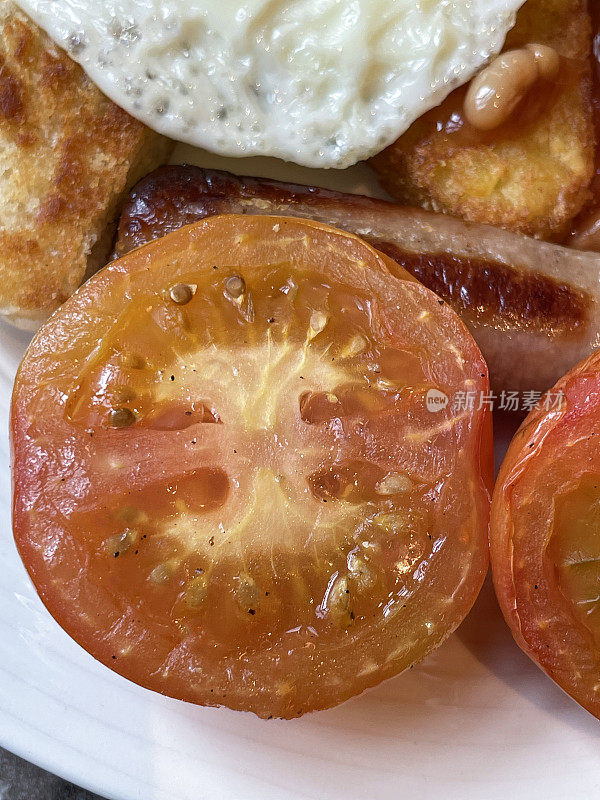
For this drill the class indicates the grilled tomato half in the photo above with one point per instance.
(545, 534)
(242, 476)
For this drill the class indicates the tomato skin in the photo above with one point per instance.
(552, 455)
(144, 630)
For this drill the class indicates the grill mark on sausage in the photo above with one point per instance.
(487, 290)
(486, 287)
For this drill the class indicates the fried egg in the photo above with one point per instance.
(323, 83)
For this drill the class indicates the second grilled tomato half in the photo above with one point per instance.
(243, 475)
(545, 534)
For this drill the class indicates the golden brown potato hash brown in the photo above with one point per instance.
(67, 156)
(532, 177)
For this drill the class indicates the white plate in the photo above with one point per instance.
(476, 721)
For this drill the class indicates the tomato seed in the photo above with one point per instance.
(196, 591)
(318, 321)
(181, 293)
(121, 418)
(235, 286)
(121, 542)
(161, 573)
(337, 602)
(355, 346)
(361, 573)
(247, 593)
(394, 483)
(394, 523)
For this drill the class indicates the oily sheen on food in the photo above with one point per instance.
(241, 476)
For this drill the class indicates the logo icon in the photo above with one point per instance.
(436, 400)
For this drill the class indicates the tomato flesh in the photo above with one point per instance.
(228, 484)
(574, 552)
(545, 535)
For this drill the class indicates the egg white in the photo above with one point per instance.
(323, 83)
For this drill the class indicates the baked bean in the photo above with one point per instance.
(494, 94)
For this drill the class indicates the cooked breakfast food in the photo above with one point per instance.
(68, 156)
(323, 83)
(240, 476)
(516, 149)
(544, 535)
(532, 307)
(247, 471)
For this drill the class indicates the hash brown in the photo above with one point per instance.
(533, 177)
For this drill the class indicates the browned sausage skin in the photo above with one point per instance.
(533, 307)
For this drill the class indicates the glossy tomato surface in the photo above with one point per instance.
(236, 479)
(545, 534)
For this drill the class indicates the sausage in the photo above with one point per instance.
(532, 307)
